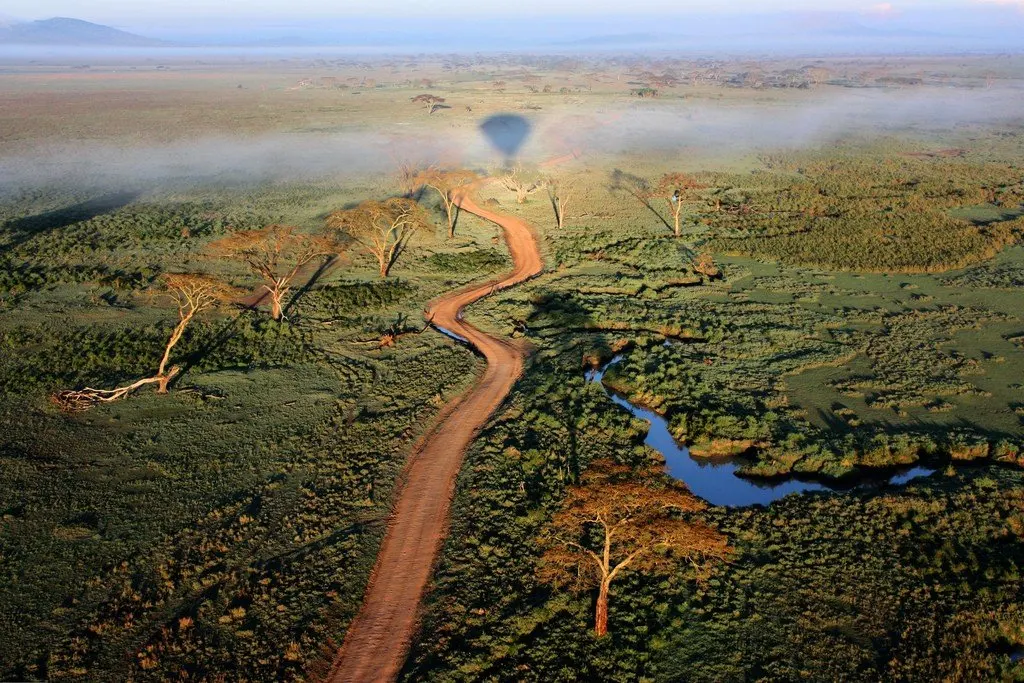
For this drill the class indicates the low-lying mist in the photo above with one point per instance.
(726, 129)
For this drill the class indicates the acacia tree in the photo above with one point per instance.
(382, 228)
(449, 185)
(677, 189)
(431, 102)
(612, 522)
(277, 254)
(523, 187)
(193, 294)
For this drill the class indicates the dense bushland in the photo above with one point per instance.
(864, 213)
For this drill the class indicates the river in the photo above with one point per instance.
(716, 481)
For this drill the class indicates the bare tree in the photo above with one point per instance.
(677, 189)
(612, 522)
(514, 181)
(193, 294)
(391, 333)
(560, 192)
(431, 102)
(382, 229)
(407, 173)
(277, 254)
(449, 185)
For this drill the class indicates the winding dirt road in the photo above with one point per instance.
(378, 640)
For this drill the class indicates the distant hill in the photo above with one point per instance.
(621, 39)
(64, 31)
(846, 25)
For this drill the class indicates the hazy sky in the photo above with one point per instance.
(121, 11)
(432, 25)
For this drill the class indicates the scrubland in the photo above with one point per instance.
(866, 315)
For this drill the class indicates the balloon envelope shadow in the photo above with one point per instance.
(506, 133)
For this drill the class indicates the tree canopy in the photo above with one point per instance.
(277, 254)
(614, 521)
(382, 228)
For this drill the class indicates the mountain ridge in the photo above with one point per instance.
(69, 31)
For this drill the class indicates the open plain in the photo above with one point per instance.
(810, 270)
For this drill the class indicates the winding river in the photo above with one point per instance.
(717, 481)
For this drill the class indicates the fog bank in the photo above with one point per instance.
(663, 126)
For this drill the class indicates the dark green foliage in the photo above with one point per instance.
(998, 276)
(908, 367)
(882, 214)
(655, 254)
(346, 298)
(48, 357)
(17, 276)
(228, 527)
(859, 587)
(485, 260)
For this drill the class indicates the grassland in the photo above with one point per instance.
(210, 512)
(868, 315)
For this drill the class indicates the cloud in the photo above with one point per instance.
(882, 9)
(1002, 3)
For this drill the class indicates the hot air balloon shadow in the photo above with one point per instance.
(506, 133)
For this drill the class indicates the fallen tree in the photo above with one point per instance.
(193, 294)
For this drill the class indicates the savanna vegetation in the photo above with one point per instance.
(831, 314)
(230, 524)
(797, 369)
(866, 213)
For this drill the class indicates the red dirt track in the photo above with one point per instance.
(378, 640)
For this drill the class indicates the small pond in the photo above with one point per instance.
(716, 481)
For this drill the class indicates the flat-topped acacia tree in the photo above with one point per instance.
(382, 228)
(277, 254)
(430, 102)
(449, 185)
(613, 521)
(193, 294)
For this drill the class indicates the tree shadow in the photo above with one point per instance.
(560, 313)
(639, 189)
(223, 336)
(230, 328)
(833, 423)
(553, 198)
(455, 218)
(21, 230)
(321, 270)
(563, 312)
